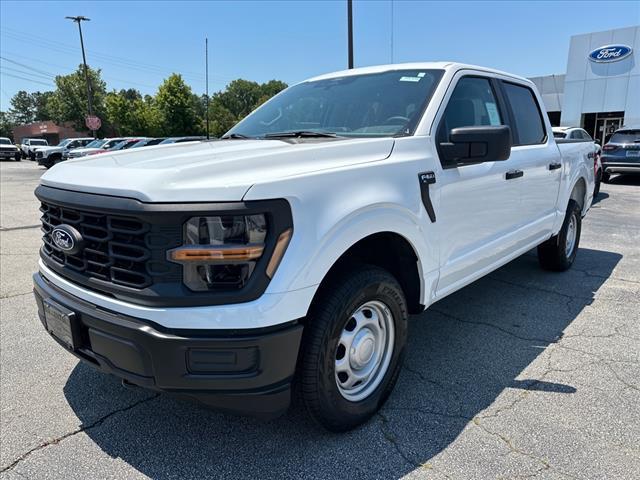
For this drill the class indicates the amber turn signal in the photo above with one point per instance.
(217, 254)
(278, 252)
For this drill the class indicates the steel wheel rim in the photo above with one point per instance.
(364, 350)
(571, 236)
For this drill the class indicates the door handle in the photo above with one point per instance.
(514, 174)
(555, 166)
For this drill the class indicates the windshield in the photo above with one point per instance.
(626, 136)
(5, 141)
(370, 105)
(64, 142)
(38, 142)
(96, 143)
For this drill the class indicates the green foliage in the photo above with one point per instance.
(177, 108)
(174, 110)
(6, 125)
(69, 101)
(239, 99)
(22, 108)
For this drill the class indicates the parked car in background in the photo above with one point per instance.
(148, 142)
(28, 146)
(181, 139)
(621, 154)
(97, 146)
(293, 250)
(580, 134)
(124, 144)
(8, 150)
(49, 156)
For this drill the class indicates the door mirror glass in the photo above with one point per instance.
(469, 145)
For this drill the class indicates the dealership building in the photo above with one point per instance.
(600, 90)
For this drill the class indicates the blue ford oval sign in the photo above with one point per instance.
(610, 53)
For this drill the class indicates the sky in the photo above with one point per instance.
(138, 44)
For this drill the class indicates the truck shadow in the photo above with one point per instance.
(462, 354)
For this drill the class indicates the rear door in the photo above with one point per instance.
(478, 204)
(536, 154)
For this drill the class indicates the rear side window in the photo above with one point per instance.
(526, 114)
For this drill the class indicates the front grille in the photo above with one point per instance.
(115, 249)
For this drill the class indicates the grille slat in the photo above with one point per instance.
(115, 248)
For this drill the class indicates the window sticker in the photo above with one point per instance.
(421, 74)
(410, 79)
(492, 111)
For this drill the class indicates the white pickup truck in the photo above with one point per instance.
(292, 250)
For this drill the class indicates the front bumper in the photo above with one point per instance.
(242, 372)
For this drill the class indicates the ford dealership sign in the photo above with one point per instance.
(610, 53)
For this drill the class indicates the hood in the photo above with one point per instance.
(208, 171)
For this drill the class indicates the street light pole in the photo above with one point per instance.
(78, 20)
(350, 31)
(206, 62)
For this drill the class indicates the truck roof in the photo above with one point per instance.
(412, 66)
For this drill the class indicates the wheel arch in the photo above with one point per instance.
(385, 249)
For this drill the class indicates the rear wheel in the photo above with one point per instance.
(558, 253)
(596, 189)
(606, 177)
(353, 347)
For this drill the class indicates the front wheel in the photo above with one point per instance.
(353, 347)
(558, 253)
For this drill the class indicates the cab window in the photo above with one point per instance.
(472, 103)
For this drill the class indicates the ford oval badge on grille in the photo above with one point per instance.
(610, 53)
(67, 239)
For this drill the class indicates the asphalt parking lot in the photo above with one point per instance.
(524, 373)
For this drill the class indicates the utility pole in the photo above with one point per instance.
(350, 30)
(78, 20)
(206, 62)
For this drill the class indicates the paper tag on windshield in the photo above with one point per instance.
(410, 79)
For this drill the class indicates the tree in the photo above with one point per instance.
(239, 99)
(175, 104)
(41, 105)
(6, 125)
(22, 108)
(69, 101)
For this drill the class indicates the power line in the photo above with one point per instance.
(26, 79)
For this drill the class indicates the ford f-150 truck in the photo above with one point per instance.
(291, 251)
(49, 156)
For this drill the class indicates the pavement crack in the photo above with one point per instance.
(23, 227)
(391, 438)
(544, 464)
(496, 327)
(13, 295)
(82, 428)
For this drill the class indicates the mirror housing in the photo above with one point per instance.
(470, 145)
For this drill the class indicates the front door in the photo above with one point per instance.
(478, 205)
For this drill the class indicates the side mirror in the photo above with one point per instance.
(469, 145)
(598, 142)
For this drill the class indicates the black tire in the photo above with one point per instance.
(332, 309)
(606, 177)
(552, 254)
(17, 157)
(596, 188)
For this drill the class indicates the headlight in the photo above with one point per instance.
(221, 252)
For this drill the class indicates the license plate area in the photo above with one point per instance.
(633, 153)
(61, 323)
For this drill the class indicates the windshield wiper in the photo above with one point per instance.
(235, 136)
(301, 134)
